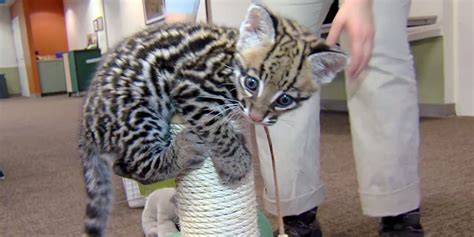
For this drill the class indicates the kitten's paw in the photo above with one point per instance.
(230, 177)
(235, 168)
(193, 163)
(192, 151)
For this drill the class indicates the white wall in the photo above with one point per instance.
(457, 25)
(225, 12)
(464, 57)
(449, 52)
(123, 18)
(7, 45)
(458, 36)
(79, 16)
(427, 8)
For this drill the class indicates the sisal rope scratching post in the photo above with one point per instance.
(206, 207)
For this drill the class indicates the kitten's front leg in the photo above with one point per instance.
(206, 115)
(190, 149)
(230, 155)
(227, 149)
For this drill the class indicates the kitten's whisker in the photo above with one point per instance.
(219, 98)
(225, 109)
(219, 114)
(233, 116)
(226, 118)
(228, 66)
(223, 106)
(222, 109)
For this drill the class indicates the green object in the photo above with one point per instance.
(13, 79)
(52, 76)
(82, 67)
(263, 225)
(336, 90)
(429, 66)
(3, 87)
(145, 190)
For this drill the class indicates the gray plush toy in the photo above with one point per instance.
(159, 216)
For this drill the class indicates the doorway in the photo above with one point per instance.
(20, 57)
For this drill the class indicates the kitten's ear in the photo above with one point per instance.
(257, 29)
(327, 62)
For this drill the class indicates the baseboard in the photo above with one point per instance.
(437, 110)
(334, 105)
(35, 95)
(426, 110)
(53, 93)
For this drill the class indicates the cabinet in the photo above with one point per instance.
(52, 76)
(80, 69)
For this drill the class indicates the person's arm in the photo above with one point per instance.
(356, 18)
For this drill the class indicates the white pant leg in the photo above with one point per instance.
(384, 118)
(295, 139)
(296, 135)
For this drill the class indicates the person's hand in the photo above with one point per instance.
(356, 18)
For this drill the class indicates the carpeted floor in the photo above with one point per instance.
(43, 193)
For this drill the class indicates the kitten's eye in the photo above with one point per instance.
(284, 100)
(251, 83)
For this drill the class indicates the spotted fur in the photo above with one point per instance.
(205, 73)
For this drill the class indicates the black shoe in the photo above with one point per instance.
(2, 176)
(404, 225)
(303, 225)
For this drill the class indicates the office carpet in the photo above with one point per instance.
(43, 193)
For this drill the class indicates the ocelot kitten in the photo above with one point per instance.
(206, 73)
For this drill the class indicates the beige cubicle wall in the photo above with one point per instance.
(427, 48)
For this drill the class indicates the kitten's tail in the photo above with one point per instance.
(98, 181)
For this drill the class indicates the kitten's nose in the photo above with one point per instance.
(255, 116)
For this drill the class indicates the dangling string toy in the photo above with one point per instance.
(281, 228)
